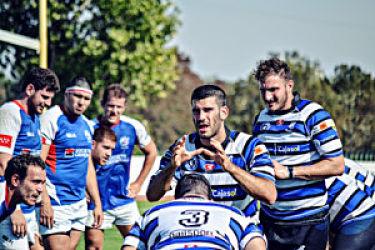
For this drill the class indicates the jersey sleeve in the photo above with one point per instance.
(324, 134)
(48, 126)
(258, 159)
(135, 238)
(10, 124)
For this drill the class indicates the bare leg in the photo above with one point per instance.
(124, 229)
(74, 238)
(94, 239)
(57, 242)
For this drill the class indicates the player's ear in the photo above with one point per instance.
(15, 180)
(93, 144)
(224, 112)
(30, 89)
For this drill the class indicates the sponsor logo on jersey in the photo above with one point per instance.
(209, 166)
(124, 142)
(79, 152)
(280, 122)
(288, 149)
(191, 232)
(5, 140)
(71, 135)
(224, 193)
(69, 152)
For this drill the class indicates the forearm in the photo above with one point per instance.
(257, 187)
(147, 166)
(160, 184)
(92, 186)
(320, 170)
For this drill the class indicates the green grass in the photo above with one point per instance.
(112, 237)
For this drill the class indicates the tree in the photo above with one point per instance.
(106, 41)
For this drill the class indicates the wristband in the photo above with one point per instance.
(291, 172)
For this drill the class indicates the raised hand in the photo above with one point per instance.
(181, 155)
(219, 156)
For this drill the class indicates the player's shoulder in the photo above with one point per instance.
(10, 109)
(131, 121)
(52, 114)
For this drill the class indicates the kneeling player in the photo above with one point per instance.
(193, 221)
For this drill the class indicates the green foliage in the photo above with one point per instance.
(106, 41)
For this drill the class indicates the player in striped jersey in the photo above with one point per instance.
(236, 164)
(365, 179)
(193, 221)
(352, 214)
(303, 142)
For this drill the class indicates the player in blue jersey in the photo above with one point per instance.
(236, 164)
(20, 134)
(194, 221)
(304, 144)
(117, 193)
(67, 143)
(23, 182)
(352, 214)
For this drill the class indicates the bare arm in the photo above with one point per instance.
(150, 153)
(93, 191)
(4, 158)
(46, 210)
(256, 243)
(161, 183)
(260, 188)
(128, 248)
(320, 170)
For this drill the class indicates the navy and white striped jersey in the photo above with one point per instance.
(347, 201)
(365, 179)
(303, 135)
(193, 223)
(243, 150)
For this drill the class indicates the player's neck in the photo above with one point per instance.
(194, 197)
(23, 103)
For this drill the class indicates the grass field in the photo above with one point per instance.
(113, 239)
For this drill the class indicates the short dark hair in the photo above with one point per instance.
(41, 78)
(193, 184)
(79, 81)
(208, 90)
(104, 132)
(19, 165)
(272, 66)
(114, 90)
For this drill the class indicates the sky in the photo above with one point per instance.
(226, 38)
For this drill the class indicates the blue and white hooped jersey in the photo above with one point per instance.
(192, 223)
(113, 178)
(347, 201)
(19, 134)
(304, 135)
(365, 179)
(19, 131)
(5, 211)
(244, 151)
(70, 142)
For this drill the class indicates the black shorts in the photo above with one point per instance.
(308, 234)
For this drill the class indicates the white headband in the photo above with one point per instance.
(78, 89)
